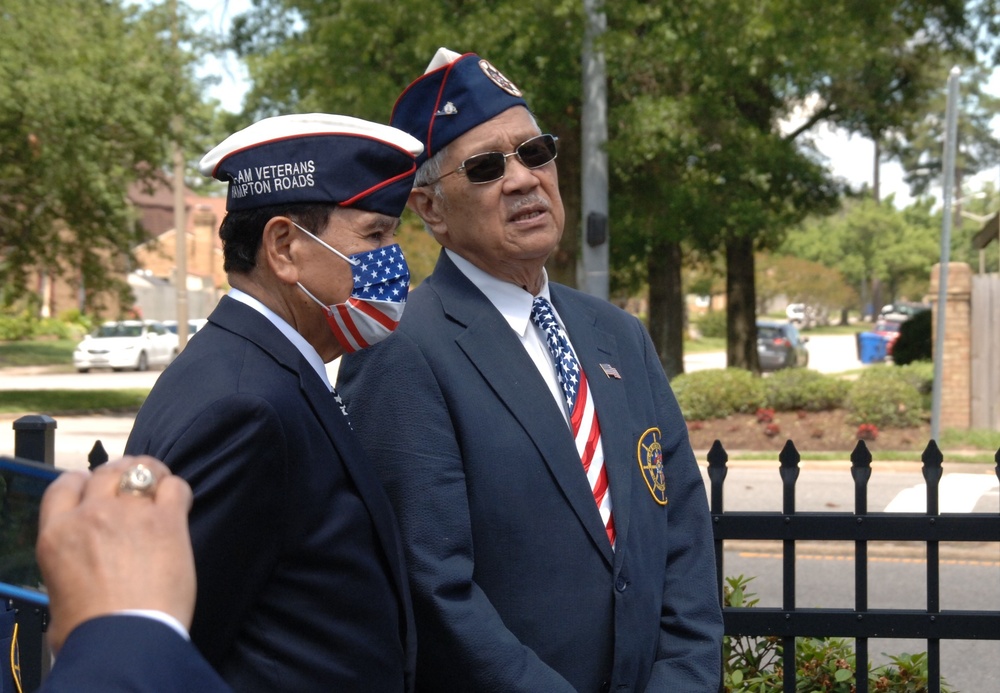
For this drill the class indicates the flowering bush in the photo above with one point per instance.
(765, 415)
(867, 431)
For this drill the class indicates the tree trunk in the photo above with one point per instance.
(877, 300)
(666, 305)
(741, 319)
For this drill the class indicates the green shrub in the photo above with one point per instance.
(793, 389)
(715, 393)
(50, 327)
(712, 324)
(885, 397)
(914, 342)
(821, 664)
(919, 374)
(15, 327)
(23, 325)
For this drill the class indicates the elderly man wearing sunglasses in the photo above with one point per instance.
(553, 515)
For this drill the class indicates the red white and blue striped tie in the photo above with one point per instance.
(583, 415)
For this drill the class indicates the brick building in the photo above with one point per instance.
(151, 277)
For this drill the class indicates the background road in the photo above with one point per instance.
(75, 436)
(895, 581)
(828, 353)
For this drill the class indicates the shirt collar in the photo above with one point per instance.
(513, 302)
(305, 348)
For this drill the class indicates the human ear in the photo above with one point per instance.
(428, 206)
(277, 247)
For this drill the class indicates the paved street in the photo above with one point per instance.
(835, 353)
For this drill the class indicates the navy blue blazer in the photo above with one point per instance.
(301, 581)
(129, 653)
(515, 585)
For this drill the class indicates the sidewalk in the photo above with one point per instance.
(75, 437)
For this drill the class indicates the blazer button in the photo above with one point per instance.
(605, 686)
(621, 583)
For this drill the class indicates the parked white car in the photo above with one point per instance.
(193, 325)
(126, 344)
(806, 316)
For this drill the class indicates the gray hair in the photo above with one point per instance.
(430, 170)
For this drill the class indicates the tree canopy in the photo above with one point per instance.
(88, 91)
(711, 107)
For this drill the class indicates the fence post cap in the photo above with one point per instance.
(34, 422)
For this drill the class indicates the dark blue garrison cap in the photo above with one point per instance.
(316, 158)
(455, 94)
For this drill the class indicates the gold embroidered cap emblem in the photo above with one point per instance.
(498, 79)
(650, 457)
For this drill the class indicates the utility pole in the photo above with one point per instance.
(948, 189)
(592, 275)
(180, 222)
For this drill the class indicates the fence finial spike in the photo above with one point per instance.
(861, 456)
(97, 456)
(789, 455)
(717, 455)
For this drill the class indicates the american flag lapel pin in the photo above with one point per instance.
(611, 371)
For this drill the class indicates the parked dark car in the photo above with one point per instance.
(902, 310)
(888, 329)
(779, 345)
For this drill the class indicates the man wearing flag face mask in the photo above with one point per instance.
(301, 584)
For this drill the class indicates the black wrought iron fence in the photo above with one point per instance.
(34, 440)
(861, 623)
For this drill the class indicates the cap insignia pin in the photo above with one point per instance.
(448, 109)
(498, 79)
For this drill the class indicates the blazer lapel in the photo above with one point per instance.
(496, 351)
(243, 320)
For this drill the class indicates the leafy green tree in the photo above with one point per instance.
(710, 89)
(800, 281)
(88, 94)
(919, 144)
(356, 56)
(701, 96)
(873, 245)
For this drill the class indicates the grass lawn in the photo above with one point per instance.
(38, 352)
(54, 402)
(58, 352)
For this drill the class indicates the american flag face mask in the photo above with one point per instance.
(381, 282)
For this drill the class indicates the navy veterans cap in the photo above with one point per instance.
(455, 94)
(316, 158)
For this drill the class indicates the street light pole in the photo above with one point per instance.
(180, 222)
(951, 134)
(593, 271)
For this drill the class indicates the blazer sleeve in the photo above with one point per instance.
(689, 654)
(464, 644)
(234, 454)
(129, 653)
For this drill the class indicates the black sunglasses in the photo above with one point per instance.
(490, 166)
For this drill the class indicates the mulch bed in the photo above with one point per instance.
(827, 431)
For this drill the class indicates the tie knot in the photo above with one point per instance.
(541, 313)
